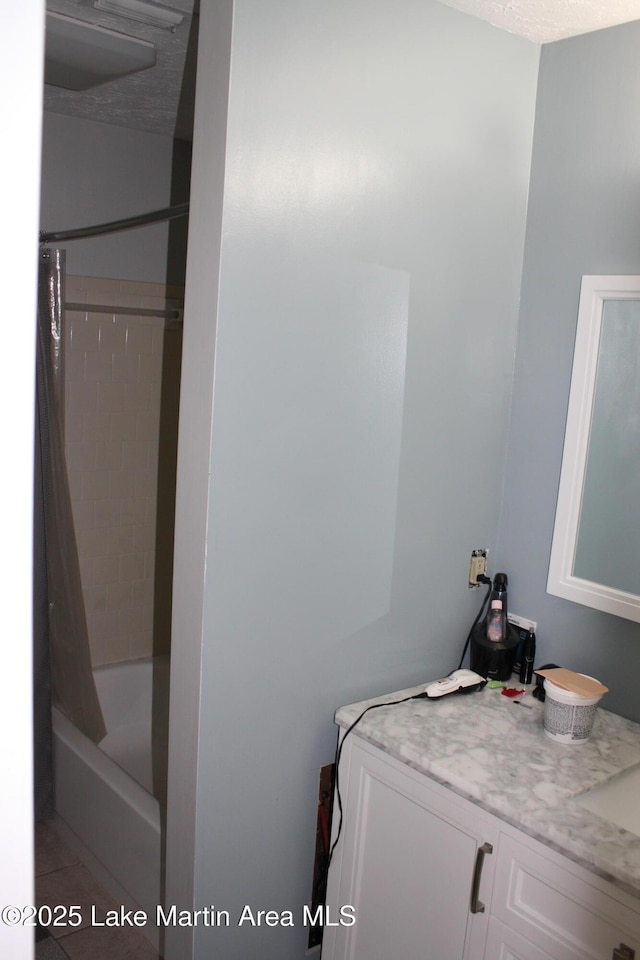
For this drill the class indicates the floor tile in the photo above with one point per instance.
(49, 950)
(113, 943)
(61, 880)
(51, 852)
(72, 886)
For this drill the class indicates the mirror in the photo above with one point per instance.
(595, 554)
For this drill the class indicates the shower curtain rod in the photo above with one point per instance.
(172, 314)
(167, 213)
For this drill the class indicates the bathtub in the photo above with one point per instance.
(110, 798)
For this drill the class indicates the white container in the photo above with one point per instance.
(568, 717)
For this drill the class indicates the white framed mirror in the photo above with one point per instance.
(595, 553)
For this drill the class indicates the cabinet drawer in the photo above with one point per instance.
(560, 907)
(503, 943)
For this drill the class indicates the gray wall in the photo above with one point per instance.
(94, 173)
(584, 211)
(377, 165)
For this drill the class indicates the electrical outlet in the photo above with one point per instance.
(478, 566)
(522, 622)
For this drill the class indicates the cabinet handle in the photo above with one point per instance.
(623, 952)
(476, 905)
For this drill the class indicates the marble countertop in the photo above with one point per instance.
(494, 752)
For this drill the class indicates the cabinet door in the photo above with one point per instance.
(406, 867)
(569, 913)
(505, 944)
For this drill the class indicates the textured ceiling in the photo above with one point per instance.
(160, 100)
(544, 21)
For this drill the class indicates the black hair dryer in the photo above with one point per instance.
(494, 640)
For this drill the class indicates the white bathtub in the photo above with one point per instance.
(105, 795)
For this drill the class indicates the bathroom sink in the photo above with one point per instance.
(616, 800)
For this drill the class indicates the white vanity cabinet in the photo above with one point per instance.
(432, 876)
(545, 907)
(411, 858)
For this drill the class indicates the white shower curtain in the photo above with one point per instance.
(61, 640)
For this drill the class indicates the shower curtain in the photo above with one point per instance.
(62, 661)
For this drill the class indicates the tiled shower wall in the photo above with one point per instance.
(113, 373)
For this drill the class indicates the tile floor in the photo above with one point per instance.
(62, 879)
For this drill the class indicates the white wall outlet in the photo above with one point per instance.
(478, 566)
(522, 622)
